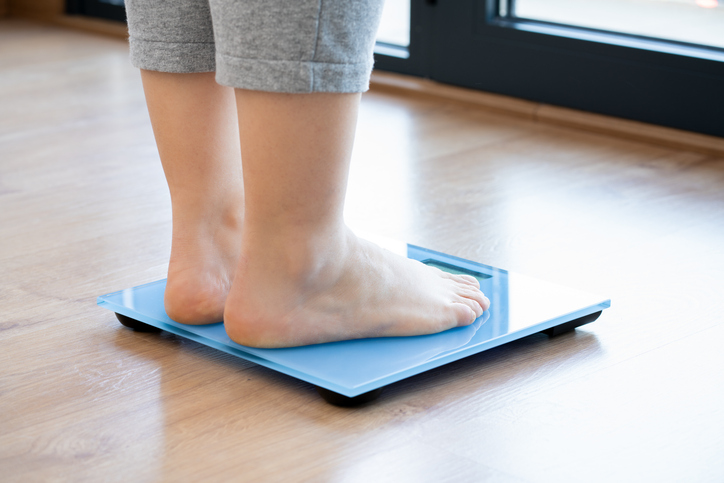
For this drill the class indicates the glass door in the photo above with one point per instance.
(393, 35)
(107, 9)
(699, 22)
(643, 60)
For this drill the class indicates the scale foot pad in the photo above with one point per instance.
(569, 326)
(340, 400)
(136, 325)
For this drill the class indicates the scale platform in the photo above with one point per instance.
(353, 372)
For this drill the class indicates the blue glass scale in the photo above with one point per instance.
(355, 371)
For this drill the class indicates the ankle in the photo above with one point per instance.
(299, 253)
(200, 220)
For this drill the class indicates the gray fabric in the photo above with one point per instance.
(271, 45)
(170, 35)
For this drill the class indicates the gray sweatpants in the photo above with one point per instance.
(291, 46)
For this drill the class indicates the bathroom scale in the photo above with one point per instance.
(352, 372)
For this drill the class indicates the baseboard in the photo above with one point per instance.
(538, 112)
(76, 22)
(95, 25)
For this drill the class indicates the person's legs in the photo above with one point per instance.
(303, 277)
(195, 124)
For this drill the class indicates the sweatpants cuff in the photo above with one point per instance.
(292, 76)
(175, 57)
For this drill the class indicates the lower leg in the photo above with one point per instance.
(303, 277)
(195, 124)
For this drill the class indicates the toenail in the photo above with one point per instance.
(475, 316)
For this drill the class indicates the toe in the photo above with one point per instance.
(471, 304)
(469, 279)
(464, 314)
(475, 296)
(466, 279)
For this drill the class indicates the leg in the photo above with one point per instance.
(303, 277)
(195, 125)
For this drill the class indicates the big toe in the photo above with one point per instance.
(463, 313)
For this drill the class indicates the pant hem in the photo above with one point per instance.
(174, 57)
(292, 76)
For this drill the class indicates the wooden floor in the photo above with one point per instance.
(84, 210)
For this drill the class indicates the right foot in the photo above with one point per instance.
(204, 256)
(341, 287)
(195, 124)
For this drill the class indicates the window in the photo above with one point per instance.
(699, 22)
(489, 45)
(108, 9)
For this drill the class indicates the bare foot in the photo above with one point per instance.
(336, 287)
(203, 260)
